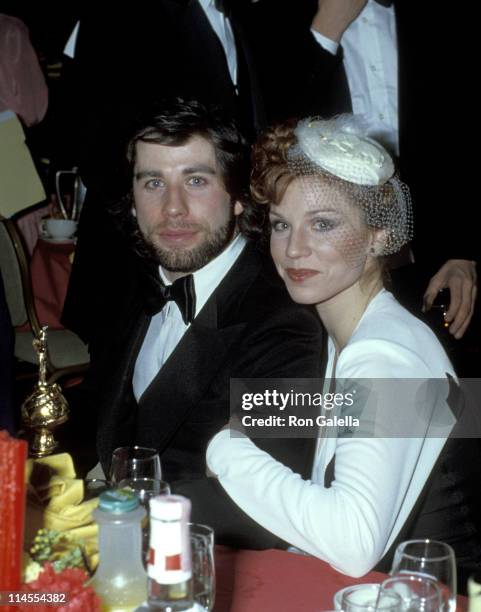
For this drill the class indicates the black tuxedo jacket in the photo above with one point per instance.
(154, 50)
(249, 328)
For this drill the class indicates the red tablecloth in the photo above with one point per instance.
(50, 271)
(279, 581)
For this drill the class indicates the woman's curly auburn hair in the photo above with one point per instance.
(270, 175)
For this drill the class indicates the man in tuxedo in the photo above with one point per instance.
(208, 306)
(387, 61)
(186, 48)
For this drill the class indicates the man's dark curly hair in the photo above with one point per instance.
(173, 122)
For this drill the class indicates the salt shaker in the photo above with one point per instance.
(169, 563)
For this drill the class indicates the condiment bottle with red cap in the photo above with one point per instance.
(169, 566)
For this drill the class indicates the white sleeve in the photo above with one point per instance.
(348, 524)
(326, 43)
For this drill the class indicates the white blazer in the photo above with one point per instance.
(377, 480)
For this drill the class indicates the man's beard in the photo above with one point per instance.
(190, 260)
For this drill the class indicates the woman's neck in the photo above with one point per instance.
(341, 313)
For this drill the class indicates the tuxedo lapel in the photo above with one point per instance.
(185, 377)
(249, 90)
(182, 381)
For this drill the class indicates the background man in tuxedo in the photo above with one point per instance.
(208, 306)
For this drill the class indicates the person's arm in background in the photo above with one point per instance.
(333, 17)
(23, 89)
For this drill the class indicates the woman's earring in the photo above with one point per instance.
(134, 212)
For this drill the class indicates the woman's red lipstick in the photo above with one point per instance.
(299, 275)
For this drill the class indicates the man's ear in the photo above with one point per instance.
(238, 208)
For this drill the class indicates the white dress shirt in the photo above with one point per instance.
(167, 327)
(371, 64)
(219, 22)
(221, 26)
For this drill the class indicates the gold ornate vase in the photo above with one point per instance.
(46, 407)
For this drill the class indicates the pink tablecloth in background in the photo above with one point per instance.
(50, 271)
(279, 581)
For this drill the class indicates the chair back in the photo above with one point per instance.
(16, 276)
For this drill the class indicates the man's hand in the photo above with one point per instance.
(333, 17)
(459, 275)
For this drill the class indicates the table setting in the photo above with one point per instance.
(62, 547)
(124, 543)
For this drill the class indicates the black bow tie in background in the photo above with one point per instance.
(182, 292)
(386, 3)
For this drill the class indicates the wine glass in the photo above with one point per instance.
(134, 462)
(418, 593)
(145, 488)
(429, 559)
(203, 566)
(441, 306)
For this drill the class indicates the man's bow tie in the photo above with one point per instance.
(386, 3)
(182, 292)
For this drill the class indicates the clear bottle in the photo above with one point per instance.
(120, 580)
(169, 564)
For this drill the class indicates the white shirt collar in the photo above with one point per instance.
(207, 4)
(208, 278)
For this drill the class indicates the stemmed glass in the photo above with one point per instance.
(203, 566)
(134, 462)
(418, 593)
(429, 559)
(441, 306)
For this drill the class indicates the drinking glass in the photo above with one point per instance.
(418, 593)
(370, 599)
(429, 559)
(145, 488)
(441, 306)
(134, 462)
(203, 567)
(94, 487)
